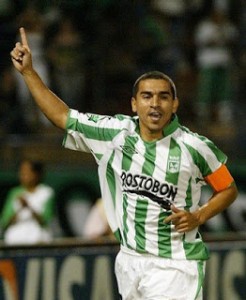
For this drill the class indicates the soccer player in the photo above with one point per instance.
(151, 170)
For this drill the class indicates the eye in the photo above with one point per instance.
(163, 96)
(146, 96)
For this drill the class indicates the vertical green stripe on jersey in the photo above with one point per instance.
(125, 226)
(128, 151)
(118, 235)
(199, 161)
(142, 204)
(111, 178)
(188, 198)
(196, 250)
(150, 155)
(140, 218)
(200, 269)
(173, 162)
(164, 236)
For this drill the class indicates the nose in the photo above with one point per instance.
(155, 101)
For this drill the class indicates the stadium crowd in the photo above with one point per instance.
(94, 50)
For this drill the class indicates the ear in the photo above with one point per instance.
(133, 103)
(175, 105)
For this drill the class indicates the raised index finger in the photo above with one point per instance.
(23, 38)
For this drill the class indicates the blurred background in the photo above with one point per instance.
(91, 52)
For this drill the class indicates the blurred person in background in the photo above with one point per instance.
(28, 208)
(66, 55)
(96, 224)
(215, 37)
(13, 121)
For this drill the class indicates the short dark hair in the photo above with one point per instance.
(154, 75)
(36, 166)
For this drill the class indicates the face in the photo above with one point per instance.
(28, 177)
(154, 104)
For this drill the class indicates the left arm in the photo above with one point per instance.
(186, 221)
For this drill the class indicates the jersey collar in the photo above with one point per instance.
(169, 129)
(172, 126)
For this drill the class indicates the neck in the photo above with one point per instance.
(151, 136)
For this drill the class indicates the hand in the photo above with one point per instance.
(23, 202)
(182, 220)
(21, 54)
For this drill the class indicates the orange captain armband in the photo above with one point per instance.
(220, 179)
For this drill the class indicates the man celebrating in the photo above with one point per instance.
(151, 170)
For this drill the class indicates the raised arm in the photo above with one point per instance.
(51, 105)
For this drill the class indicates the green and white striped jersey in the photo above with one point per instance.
(139, 179)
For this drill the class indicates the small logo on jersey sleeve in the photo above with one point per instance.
(95, 118)
(128, 149)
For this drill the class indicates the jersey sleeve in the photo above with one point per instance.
(206, 155)
(212, 158)
(91, 132)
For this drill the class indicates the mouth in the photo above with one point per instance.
(155, 116)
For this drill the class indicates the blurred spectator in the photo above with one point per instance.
(11, 120)
(215, 37)
(241, 73)
(186, 78)
(96, 224)
(33, 21)
(155, 49)
(173, 12)
(7, 29)
(28, 208)
(67, 58)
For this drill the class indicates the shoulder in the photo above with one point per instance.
(15, 191)
(45, 189)
(202, 149)
(77, 118)
(192, 138)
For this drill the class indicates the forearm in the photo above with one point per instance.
(217, 203)
(38, 217)
(10, 221)
(52, 106)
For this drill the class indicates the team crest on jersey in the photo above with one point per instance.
(173, 164)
